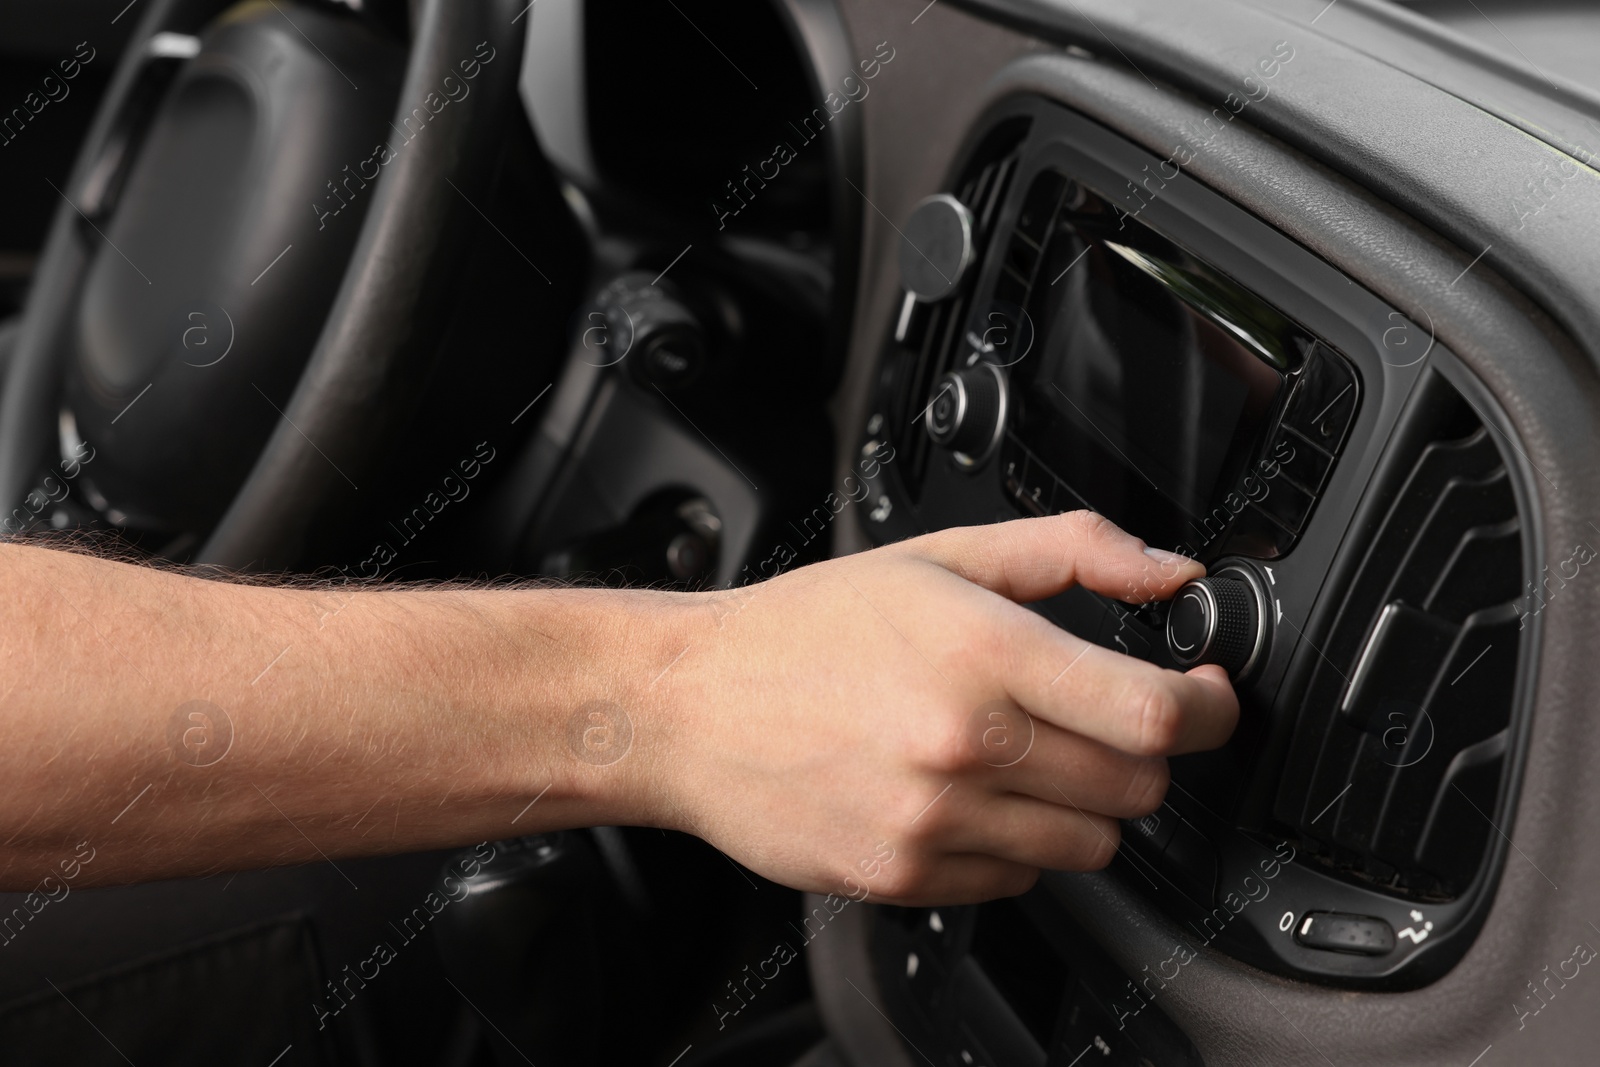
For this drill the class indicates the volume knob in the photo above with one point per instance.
(1216, 620)
(967, 412)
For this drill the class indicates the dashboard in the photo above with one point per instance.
(1120, 339)
(1189, 269)
(1166, 395)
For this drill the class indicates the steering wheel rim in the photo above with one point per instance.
(369, 365)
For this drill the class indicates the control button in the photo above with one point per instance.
(1193, 860)
(1125, 630)
(1089, 1037)
(926, 985)
(1015, 475)
(926, 978)
(1334, 931)
(1292, 456)
(1035, 498)
(1324, 401)
(1216, 620)
(936, 247)
(671, 358)
(1286, 502)
(1154, 829)
(938, 937)
(1029, 503)
(967, 412)
(649, 325)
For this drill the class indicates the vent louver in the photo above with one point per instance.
(1393, 773)
(929, 348)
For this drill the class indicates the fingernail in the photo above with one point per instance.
(1162, 556)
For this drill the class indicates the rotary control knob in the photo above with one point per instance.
(1219, 619)
(651, 325)
(967, 412)
(936, 247)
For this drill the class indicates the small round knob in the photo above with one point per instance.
(936, 247)
(967, 411)
(1215, 620)
(650, 327)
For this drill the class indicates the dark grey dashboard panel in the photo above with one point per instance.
(1561, 34)
(1495, 55)
(1442, 160)
(1541, 378)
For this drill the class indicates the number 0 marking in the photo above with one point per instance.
(1286, 922)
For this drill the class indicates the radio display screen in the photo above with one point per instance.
(1153, 379)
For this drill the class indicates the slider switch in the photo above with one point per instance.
(1334, 931)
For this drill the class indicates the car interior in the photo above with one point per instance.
(686, 294)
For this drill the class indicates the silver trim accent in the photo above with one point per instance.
(1378, 628)
(68, 439)
(169, 45)
(1000, 416)
(1207, 600)
(903, 324)
(950, 380)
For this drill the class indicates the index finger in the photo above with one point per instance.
(1031, 559)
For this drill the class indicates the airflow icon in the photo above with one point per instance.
(1412, 933)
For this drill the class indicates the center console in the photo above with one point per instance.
(1085, 326)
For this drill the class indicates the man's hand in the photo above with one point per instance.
(896, 724)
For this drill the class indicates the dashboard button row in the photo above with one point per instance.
(1282, 491)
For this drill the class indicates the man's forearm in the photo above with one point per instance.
(893, 723)
(189, 726)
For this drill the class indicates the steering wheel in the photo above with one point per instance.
(203, 358)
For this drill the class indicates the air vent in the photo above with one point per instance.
(1393, 773)
(930, 339)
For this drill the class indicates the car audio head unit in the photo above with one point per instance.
(1163, 395)
(1085, 327)
(1143, 385)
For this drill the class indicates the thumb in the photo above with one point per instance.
(1031, 559)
